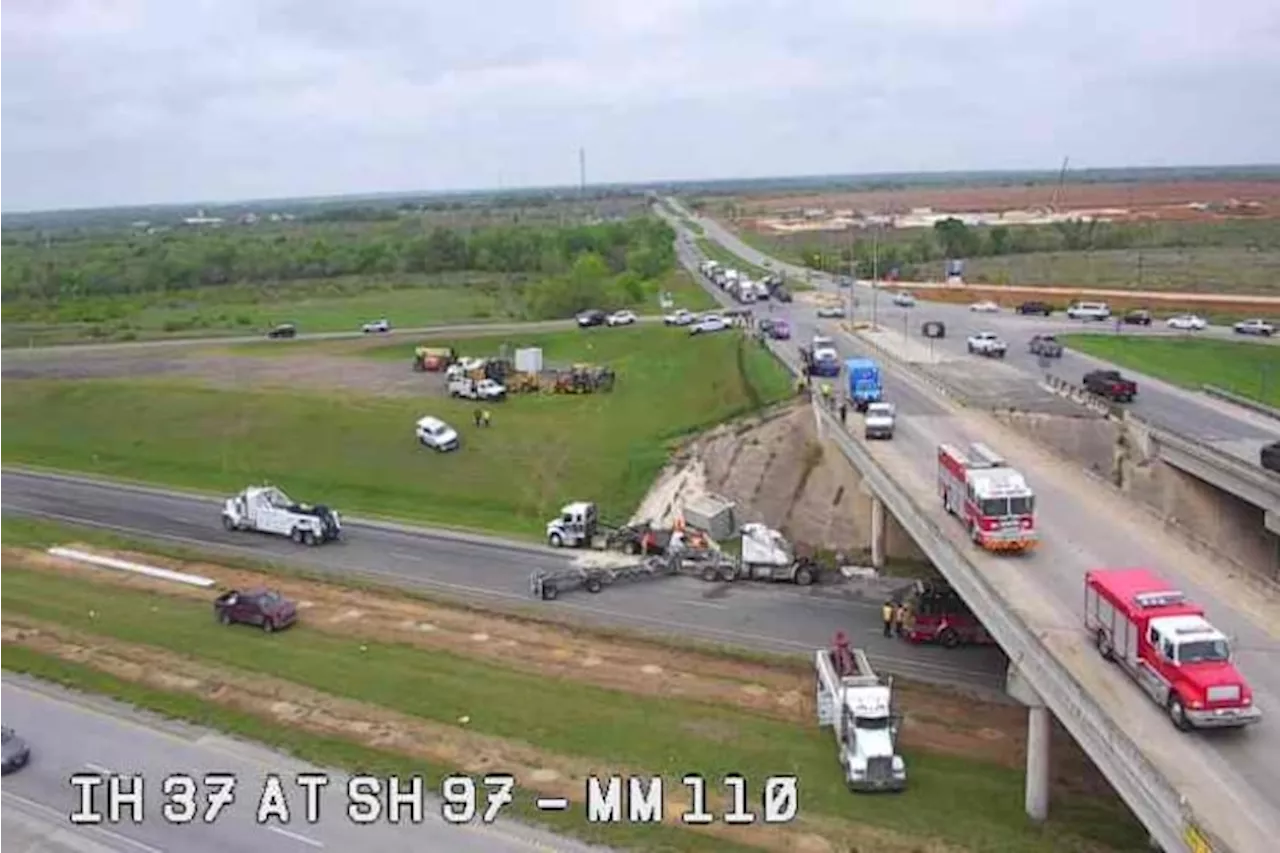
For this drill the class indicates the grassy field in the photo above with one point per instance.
(604, 727)
(331, 305)
(1249, 369)
(359, 454)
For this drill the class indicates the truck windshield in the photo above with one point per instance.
(871, 723)
(1022, 506)
(1204, 651)
(994, 507)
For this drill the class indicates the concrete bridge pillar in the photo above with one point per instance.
(877, 532)
(1039, 728)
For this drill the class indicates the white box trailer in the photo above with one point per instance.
(858, 706)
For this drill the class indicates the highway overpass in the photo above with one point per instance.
(1221, 786)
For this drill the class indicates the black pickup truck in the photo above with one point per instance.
(1110, 384)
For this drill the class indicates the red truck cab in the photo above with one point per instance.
(937, 614)
(1163, 641)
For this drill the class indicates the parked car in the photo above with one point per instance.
(284, 330)
(1137, 317)
(1089, 311)
(904, 300)
(1269, 457)
(679, 318)
(436, 434)
(779, 330)
(1045, 345)
(591, 317)
(986, 306)
(376, 327)
(709, 323)
(782, 294)
(1187, 323)
(16, 751)
(620, 318)
(988, 344)
(1110, 384)
(831, 312)
(1035, 308)
(1254, 327)
(266, 608)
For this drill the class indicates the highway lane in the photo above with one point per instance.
(1083, 526)
(72, 734)
(1188, 413)
(776, 618)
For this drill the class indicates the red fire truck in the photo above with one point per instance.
(993, 500)
(937, 614)
(1166, 645)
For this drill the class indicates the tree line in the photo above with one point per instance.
(639, 248)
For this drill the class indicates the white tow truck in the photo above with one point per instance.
(858, 705)
(266, 509)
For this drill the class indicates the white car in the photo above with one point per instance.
(1254, 327)
(986, 306)
(879, 420)
(988, 344)
(1088, 311)
(436, 434)
(1187, 323)
(831, 312)
(375, 327)
(904, 300)
(621, 318)
(680, 318)
(709, 323)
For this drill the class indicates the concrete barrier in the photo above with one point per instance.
(1244, 402)
(126, 566)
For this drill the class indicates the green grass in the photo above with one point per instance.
(331, 305)
(1249, 369)
(334, 752)
(359, 454)
(655, 734)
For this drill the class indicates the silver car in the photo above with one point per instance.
(16, 751)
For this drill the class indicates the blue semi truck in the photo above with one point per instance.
(865, 385)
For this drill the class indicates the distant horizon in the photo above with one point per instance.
(1120, 174)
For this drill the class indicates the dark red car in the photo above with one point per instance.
(265, 608)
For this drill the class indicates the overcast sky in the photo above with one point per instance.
(132, 101)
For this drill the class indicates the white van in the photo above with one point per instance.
(1089, 311)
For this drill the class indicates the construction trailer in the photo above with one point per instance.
(858, 707)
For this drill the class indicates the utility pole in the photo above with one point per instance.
(875, 272)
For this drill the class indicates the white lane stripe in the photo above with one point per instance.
(301, 839)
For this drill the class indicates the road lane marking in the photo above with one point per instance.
(64, 825)
(691, 603)
(301, 839)
(97, 768)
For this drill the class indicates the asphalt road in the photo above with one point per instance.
(1083, 526)
(71, 734)
(777, 618)
(1234, 429)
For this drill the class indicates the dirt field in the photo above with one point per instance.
(938, 720)
(1144, 200)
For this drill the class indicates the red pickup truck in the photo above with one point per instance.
(1110, 384)
(265, 608)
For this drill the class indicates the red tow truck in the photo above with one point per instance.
(1163, 641)
(937, 614)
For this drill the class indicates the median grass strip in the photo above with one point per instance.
(358, 453)
(968, 803)
(1249, 369)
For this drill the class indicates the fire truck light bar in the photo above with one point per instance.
(1159, 599)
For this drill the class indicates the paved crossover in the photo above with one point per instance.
(1085, 525)
(71, 735)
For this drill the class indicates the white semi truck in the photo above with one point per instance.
(858, 706)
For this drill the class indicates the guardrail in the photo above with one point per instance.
(1151, 797)
(1245, 402)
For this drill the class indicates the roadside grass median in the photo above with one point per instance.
(358, 453)
(1249, 369)
(967, 803)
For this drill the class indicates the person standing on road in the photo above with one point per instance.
(886, 613)
(900, 619)
(844, 412)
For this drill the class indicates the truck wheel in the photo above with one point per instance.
(710, 573)
(949, 638)
(549, 592)
(1103, 645)
(224, 618)
(804, 576)
(593, 585)
(309, 538)
(632, 548)
(728, 573)
(268, 626)
(556, 540)
(296, 535)
(227, 523)
(1178, 714)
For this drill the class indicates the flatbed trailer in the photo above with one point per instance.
(547, 585)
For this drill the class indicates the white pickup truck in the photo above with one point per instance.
(879, 420)
(988, 344)
(471, 389)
